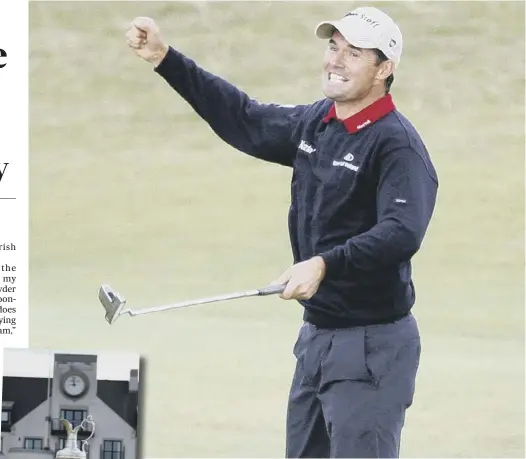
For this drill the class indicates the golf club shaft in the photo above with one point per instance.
(229, 296)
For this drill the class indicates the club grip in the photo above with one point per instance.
(272, 289)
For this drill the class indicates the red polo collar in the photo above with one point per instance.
(368, 115)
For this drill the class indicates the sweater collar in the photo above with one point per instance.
(369, 115)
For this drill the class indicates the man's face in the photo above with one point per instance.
(349, 73)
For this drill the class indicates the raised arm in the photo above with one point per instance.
(264, 131)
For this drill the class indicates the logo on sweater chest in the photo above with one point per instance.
(307, 148)
(347, 162)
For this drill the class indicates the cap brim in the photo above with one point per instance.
(325, 30)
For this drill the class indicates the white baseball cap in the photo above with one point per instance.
(367, 27)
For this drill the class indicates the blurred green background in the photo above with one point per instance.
(128, 186)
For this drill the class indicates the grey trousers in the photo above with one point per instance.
(351, 389)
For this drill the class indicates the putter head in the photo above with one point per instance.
(112, 303)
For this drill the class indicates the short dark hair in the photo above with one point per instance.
(381, 57)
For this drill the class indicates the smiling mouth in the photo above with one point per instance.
(335, 78)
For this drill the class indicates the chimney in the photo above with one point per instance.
(134, 381)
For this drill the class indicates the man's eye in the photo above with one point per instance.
(332, 48)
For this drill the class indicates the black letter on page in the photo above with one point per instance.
(2, 54)
(3, 167)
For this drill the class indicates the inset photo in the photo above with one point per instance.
(70, 404)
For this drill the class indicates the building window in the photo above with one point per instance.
(6, 416)
(112, 449)
(74, 417)
(33, 443)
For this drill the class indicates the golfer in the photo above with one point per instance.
(363, 194)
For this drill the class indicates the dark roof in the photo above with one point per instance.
(116, 395)
(27, 393)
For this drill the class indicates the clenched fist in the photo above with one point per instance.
(302, 279)
(143, 36)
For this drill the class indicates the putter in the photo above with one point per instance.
(114, 303)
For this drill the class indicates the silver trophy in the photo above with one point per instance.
(71, 451)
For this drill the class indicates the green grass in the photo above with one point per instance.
(129, 187)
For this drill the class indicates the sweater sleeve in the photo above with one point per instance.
(406, 196)
(264, 131)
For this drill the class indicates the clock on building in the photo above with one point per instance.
(74, 384)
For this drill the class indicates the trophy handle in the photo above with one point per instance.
(67, 426)
(88, 420)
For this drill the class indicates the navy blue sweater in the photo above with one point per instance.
(363, 189)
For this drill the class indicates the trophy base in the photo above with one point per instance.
(70, 454)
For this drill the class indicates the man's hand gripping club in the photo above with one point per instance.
(303, 279)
